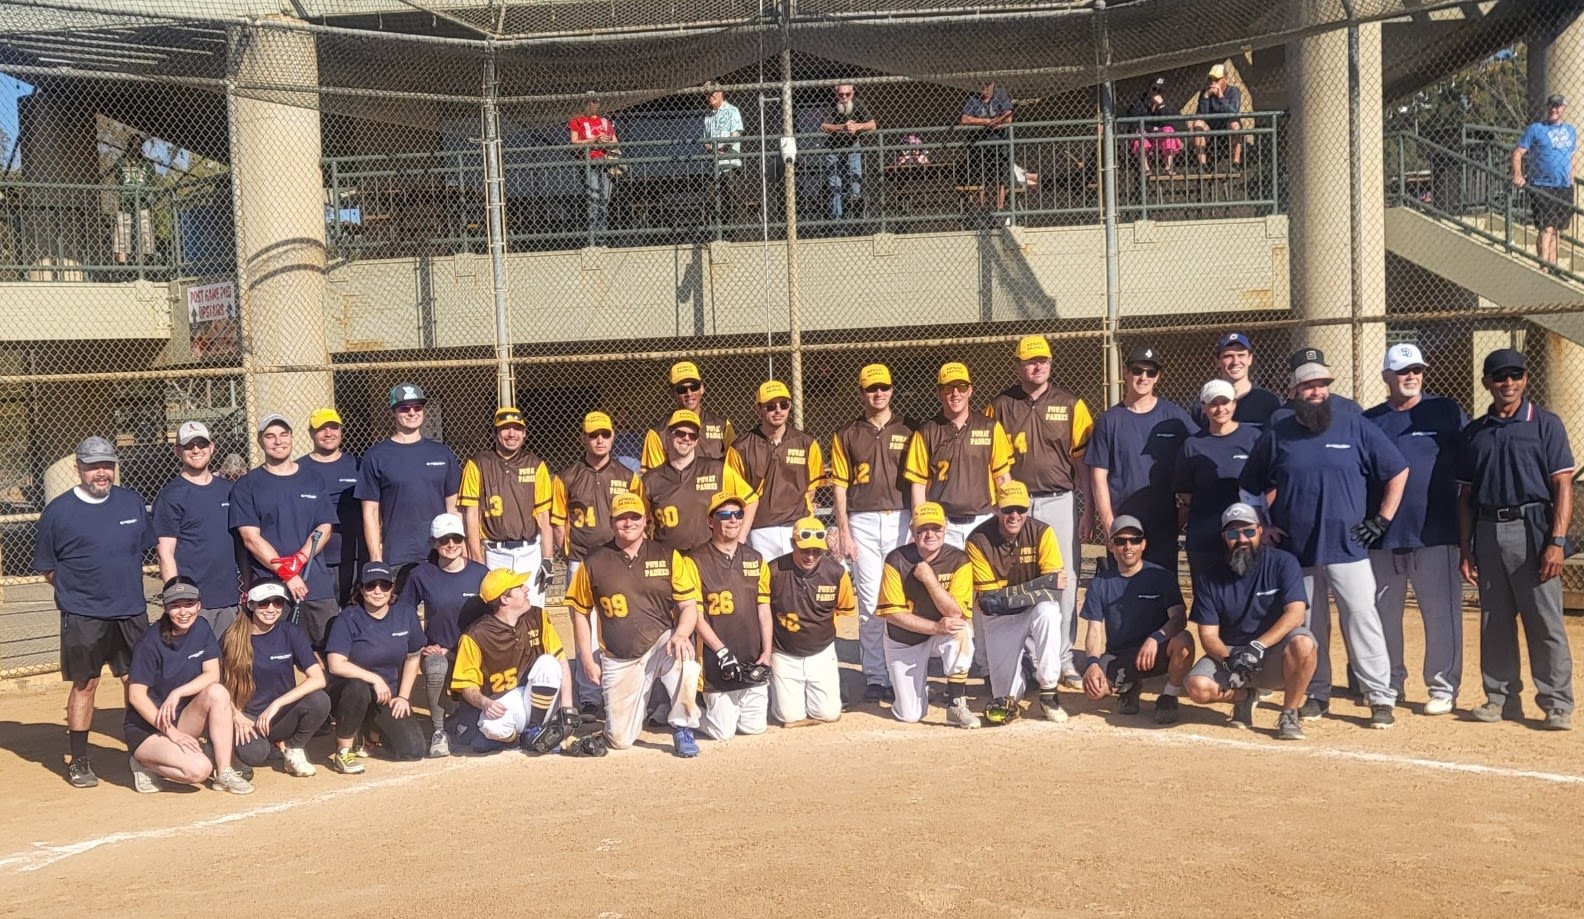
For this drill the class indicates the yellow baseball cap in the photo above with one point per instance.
(874, 375)
(770, 390)
(1032, 346)
(723, 498)
(684, 416)
(500, 580)
(809, 533)
(953, 373)
(594, 422)
(929, 514)
(1012, 494)
(508, 414)
(683, 371)
(626, 503)
(322, 417)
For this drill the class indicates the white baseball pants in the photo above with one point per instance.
(1004, 638)
(875, 534)
(545, 674)
(626, 684)
(1352, 585)
(909, 667)
(957, 533)
(740, 711)
(1059, 512)
(519, 559)
(771, 542)
(805, 687)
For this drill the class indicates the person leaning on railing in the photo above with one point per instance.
(597, 135)
(844, 125)
(988, 157)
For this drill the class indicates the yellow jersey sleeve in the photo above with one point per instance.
(558, 502)
(653, 453)
(472, 485)
(1082, 427)
(846, 601)
(733, 483)
(962, 588)
(550, 637)
(841, 475)
(916, 468)
(679, 588)
(984, 576)
(892, 599)
(686, 582)
(764, 582)
(1050, 559)
(1000, 452)
(816, 474)
(734, 463)
(580, 593)
(544, 492)
(636, 487)
(469, 667)
(728, 433)
(990, 412)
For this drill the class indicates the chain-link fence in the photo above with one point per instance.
(214, 214)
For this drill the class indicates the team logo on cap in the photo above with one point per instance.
(409, 392)
(1311, 356)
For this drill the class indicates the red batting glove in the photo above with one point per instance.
(290, 566)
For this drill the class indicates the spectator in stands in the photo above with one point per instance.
(1216, 104)
(723, 124)
(1162, 149)
(988, 157)
(844, 125)
(1553, 145)
(134, 229)
(596, 135)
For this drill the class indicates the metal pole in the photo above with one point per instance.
(495, 224)
(1108, 210)
(794, 320)
(1355, 197)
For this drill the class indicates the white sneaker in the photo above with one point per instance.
(1070, 679)
(438, 745)
(295, 760)
(232, 781)
(1052, 709)
(958, 715)
(1438, 705)
(144, 780)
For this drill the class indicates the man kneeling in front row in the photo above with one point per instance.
(1138, 626)
(1250, 610)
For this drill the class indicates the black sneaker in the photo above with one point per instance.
(874, 693)
(1381, 717)
(1243, 710)
(1130, 702)
(79, 772)
(591, 712)
(1166, 710)
(1289, 726)
(889, 696)
(1313, 708)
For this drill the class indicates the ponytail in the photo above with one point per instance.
(236, 660)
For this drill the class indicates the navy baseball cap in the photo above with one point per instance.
(1232, 339)
(376, 571)
(1305, 356)
(1144, 356)
(1503, 359)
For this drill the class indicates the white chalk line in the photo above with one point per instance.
(42, 856)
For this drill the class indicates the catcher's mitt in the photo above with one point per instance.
(557, 729)
(592, 745)
(757, 674)
(1003, 710)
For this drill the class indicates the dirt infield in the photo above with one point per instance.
(1105, 815)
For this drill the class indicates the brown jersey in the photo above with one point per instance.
(728, 589)
(635, 596)
(805, 605)
(1046, 434)
(958, 466)
(1000, 562)
(867, 461)
(583, 497)
(901, 592)
(495, 657)
(714, 440)
(783, 475)
(679, 500)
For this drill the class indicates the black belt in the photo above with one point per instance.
(1506, 514)
(1050, 494)
(962, 518)
(509, 543)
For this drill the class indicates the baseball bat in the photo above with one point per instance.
(313, 549)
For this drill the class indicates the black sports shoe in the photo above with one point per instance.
(1381, 717)
(1243, 709)
(591, 712)
(1166, 710)
(79, 772)
(874, 692)
(1313, 708)
(1130, 702)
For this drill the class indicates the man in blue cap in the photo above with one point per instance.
(406, 481)
(1234, 358)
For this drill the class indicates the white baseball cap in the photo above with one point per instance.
(263, 590)
(1217, 389)
(446, 525)
(191, 431)
(1403, 356)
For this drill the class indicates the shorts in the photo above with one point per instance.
(1114, 664)
(1551, 207)
(87, 644)
(135, 734)
(1270, 674)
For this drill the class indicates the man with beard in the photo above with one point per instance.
(1314, 467)
(1250, 613)
(844, 125)
(715, 433)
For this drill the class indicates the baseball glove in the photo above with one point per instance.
(1242, 663)
(1019, 597)
(1003, 710)
(557, 728)
(730, 667)
(592, 745)
(757, 674)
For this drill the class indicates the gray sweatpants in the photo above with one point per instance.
(1510, 588)
(1352, 585)
(1060, 514)
(435, 668)
(1438, 588)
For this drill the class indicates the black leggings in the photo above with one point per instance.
(355, 707)
(295, 724)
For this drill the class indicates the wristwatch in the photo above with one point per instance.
(1559, 541)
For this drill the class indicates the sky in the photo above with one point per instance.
(10, 89)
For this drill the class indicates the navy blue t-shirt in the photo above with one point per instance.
(163, 668)
(96, 552)
(380, 646)
(277, 656)
(1510, 461)
(198, 517)
(1255, 408)
(451, 600)
(341, 477)
(1320, 481)
(1208, 470)
(411, 483)
(1131, 607)
(1244, 608)
(286, 509)
(1139, 451)
(1427, 435)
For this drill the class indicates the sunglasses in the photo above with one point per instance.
(1506, 376)
(954, 387)
(779, 405)
(1013, 511)
(199, 444)
(809, 534)
(682, 389)
(684, 434)
(1235, 532)
(1127, 540)
(878, 387)
(380, 585)
(1147, 372)
(271, 603)
(409, 408)
(728, 514)
(599, 435)
(450, 540)
(1410, 372)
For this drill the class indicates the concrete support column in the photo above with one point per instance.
(280, 224)
(59, 141)
(1318, 196)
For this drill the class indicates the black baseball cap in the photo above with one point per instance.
(1144, 356)
(1305, 356)
(376, 571)
(1503, 359)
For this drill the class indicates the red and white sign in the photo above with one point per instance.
(209, 302)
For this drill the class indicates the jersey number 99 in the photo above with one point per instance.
(614, 606)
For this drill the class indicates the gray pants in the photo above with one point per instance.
(1060, 514)
(587, 693)
(1510, 588)
(1438, 588)
(1352, 584)
(219, 617)
(435, 668)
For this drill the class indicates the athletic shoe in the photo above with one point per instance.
(874, 693)
(1130, 701)
(1166, 710)
(958, 715)
(1050, 706)
(144, 780)
(1438, 705)
(79, 772)
(1070, 679)
(591, 712)
(1381, 717)
(232, 781)
(295, 761)
(360, 750)
(685, 746)
(1313, 708)
(1491, 713)
(1558, 720)
(889, 696)
(1289, 726)
(1243, 710)
(438, 745)
(346, 762)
